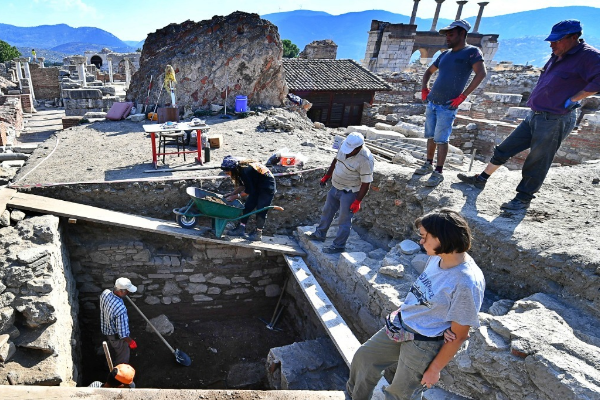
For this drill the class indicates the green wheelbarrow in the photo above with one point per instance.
(209, 204)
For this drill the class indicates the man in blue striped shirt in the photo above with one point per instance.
(114, 321)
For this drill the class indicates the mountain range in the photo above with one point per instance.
(521, 34)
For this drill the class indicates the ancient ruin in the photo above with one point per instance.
(81, 204)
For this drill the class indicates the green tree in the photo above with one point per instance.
(8, 52)
(290, 50)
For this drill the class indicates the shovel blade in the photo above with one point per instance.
(182, 358)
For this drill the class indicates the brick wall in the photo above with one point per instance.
(45, 82)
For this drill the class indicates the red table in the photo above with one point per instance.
(153, 129)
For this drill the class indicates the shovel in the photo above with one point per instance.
(180, 356)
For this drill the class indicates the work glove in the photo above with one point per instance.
(132, 344)
(324, 180)
(454, 103)
(571, 105)
(424, 93)
(355, 206)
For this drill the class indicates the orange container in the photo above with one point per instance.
(288, 160)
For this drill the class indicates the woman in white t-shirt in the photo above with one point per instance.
(425, 333)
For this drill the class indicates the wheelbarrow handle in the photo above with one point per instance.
(277, 208)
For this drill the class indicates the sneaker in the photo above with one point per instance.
(473, 180)
(435, 179)
(240, 230)
(515, 204)
(424, 169)
(314, 236)
(255, 235)
(333, 250)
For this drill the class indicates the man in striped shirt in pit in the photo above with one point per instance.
(114, 321)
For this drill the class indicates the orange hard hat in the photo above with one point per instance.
(125, 373)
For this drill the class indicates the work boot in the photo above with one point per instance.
(333, 250)
(424, 169)
(515, 204)
(255, 235)
(315, 236)
(474, 180)
(435, 179)
(239, 231)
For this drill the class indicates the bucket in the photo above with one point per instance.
(241, 103)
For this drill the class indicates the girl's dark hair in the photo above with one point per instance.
(449, 227)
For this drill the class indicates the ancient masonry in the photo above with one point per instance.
(391, 46)
(319, 49)
(218, 59)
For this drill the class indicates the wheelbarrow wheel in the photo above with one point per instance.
(186, 222)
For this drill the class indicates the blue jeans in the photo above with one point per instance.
(543, 133)
(438, 122)
(337, 200)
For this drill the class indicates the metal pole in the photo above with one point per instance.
(472, 158)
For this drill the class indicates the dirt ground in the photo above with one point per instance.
(116, 150)
(225, 354)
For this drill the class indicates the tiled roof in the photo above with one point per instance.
(326, 75)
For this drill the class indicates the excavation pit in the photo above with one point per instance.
(221, 300)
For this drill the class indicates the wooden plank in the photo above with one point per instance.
(24, 201)
(334, 324)
(5, 195)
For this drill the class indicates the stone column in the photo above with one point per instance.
(28, 77)
(19, 72)
(110, 71)
(80, 62)
(460, 7)
(41, 61)
(413, 16)
(436, 16)
(481, 7)
(127, 72)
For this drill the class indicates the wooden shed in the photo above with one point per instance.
(337, 89)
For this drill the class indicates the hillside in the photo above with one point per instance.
(350, 31)
(521, 34)
(51, 36)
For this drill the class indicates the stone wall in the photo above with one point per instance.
(38, 303)
(389, 46)
(45, 82)
(193, 278)
(161, 196)
(482, 134)
(11, 112)
(240, 53)
(489, 105)
(78, 102)
(319, 49)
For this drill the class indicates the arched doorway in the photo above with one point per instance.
(97, 61)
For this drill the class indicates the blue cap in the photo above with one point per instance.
(564, 28)
(229, 163)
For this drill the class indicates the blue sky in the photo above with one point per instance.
(135, 18)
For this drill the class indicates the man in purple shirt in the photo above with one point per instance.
(571, 74)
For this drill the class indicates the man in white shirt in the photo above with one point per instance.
(351, 174)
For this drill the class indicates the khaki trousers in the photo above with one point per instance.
(379, 353)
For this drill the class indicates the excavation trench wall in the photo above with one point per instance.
(507, 247)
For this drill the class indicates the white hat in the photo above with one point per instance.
(354, 140)
(461, 23)
(125, 284)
